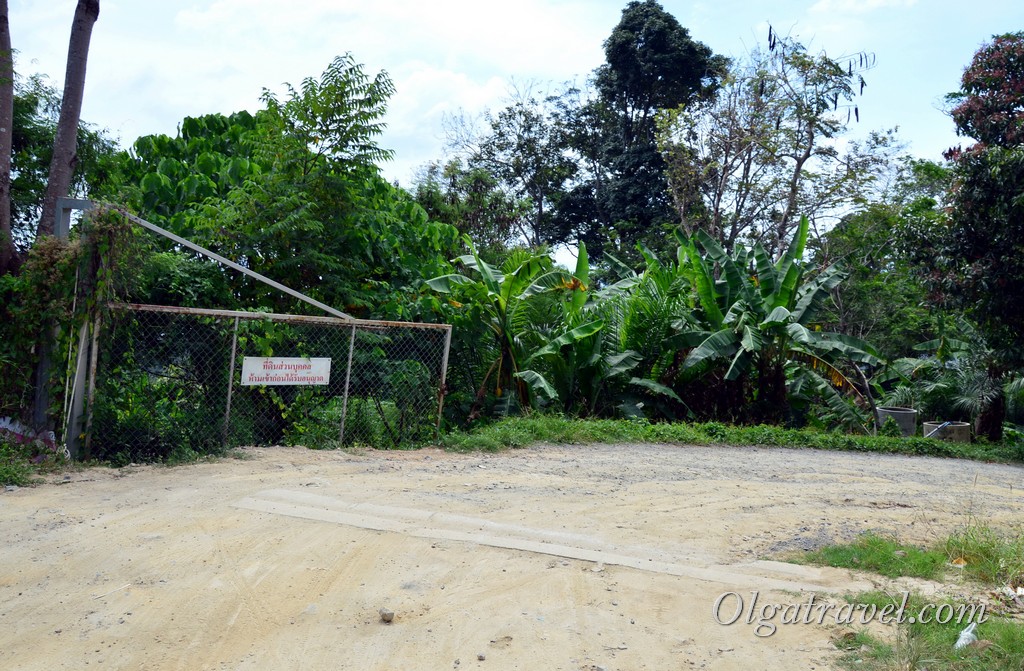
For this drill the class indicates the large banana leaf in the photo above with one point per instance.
(767, 273)
(538, 384)
(838, 346)
(814, 293)
(579, 296)
(790, 268)
(620, 362)
(706, 293)
(736, 282)
(492, 277)
(656, 387)
(751, 340)
(718, 345)
(739, 365)
(446, 283)
(777, 317)
(568, 338)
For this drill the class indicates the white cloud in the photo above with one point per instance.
(152, 63)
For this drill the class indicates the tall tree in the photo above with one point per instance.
(652, 63)
(987, 215)
(525, 148)
(294, 192)
(975, 261)
(6, 132)
(62, 166)
(883, 300)
(990, 103)
(747, 164)
(473, 201)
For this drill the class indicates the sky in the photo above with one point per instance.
(154, 62)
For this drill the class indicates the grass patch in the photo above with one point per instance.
(975, 551)
(22, 461)
(15, 467)
(929, 645)
(883, 555)
(988, 555)
(522, 431)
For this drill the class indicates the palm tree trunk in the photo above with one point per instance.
(6, 133)
(65, 145)
(61, 169)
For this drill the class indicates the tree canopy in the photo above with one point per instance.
(294, 191)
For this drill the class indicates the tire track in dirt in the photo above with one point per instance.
(443, 526)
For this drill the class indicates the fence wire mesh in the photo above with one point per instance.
(170, 382)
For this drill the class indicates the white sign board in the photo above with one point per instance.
(284, 370)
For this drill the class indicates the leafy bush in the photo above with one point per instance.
(15, 464)
(22, 457)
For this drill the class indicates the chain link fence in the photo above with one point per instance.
(175, 382)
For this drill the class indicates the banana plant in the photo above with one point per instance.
(506, 295)
(758, 322)
(582, 358)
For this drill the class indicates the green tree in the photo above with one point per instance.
(652, 63)
(471, 200)
(745, 165)
(974, 262)
(884, 300)
(295, 193)
(525, 148)
(6, 121)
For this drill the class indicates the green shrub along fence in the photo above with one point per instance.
(176, 382)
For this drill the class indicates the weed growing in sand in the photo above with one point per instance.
(988, 555)
(930, 645)
(883, 555)
(975, 551)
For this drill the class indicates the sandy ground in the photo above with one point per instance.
(553, 557)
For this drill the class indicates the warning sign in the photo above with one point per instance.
(279, 371)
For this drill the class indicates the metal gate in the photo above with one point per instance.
(169, 381)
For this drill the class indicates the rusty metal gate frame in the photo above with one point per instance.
(83, 388)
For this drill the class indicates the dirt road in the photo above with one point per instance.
(553, 557)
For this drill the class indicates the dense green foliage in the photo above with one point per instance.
(733, 265)
(295, 191)
(672, 341)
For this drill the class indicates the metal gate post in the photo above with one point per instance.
(74, 416)
(348, 378)
(442, 389)
(231, 383)
(92, 386)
